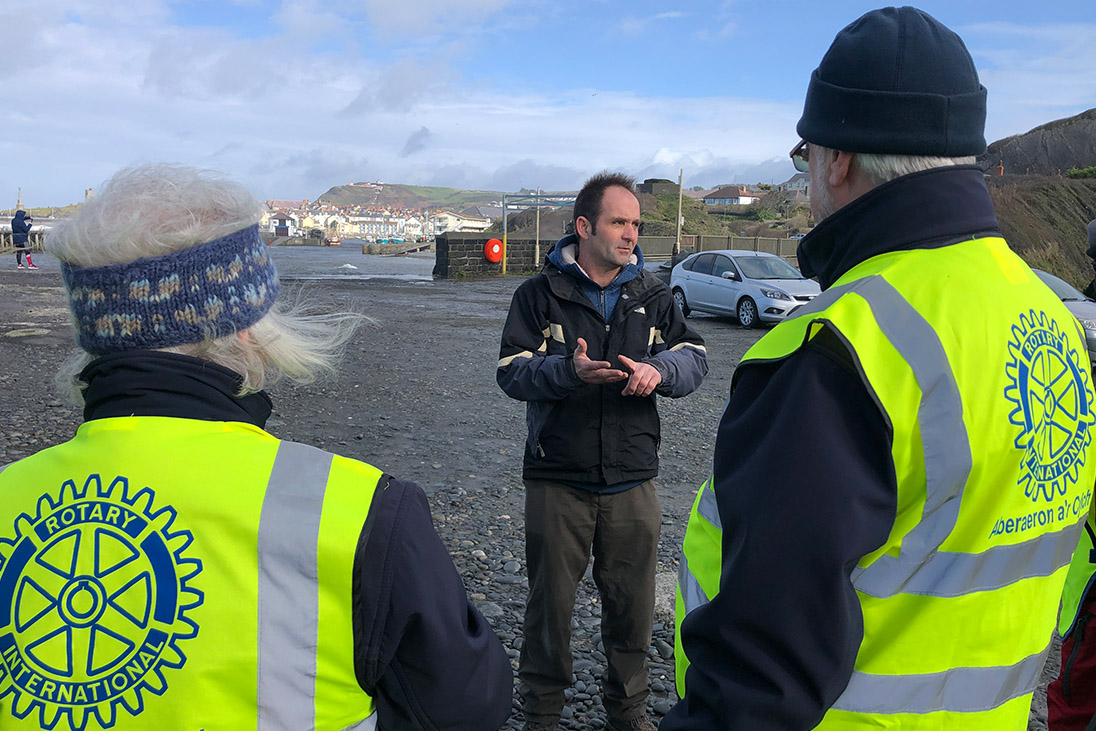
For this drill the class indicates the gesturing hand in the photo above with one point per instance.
(595, 371)
(644, 380)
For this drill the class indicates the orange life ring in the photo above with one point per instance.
(493, 251)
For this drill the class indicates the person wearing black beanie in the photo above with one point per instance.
(903, 467)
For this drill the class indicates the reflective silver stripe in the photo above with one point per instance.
(955, 574)
(288, 618)
(965, 690)
(707, 505)
(692, 596)
(944, 440)
(827, 298)
(368, 724)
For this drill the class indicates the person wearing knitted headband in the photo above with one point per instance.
(175, 565)
(903, 466)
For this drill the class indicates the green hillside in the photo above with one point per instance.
(394, 195)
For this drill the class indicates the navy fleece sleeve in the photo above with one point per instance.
(426, 655)
(805, 485)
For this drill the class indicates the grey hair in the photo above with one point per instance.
(157, 209)
(152, 211)
(879, 168)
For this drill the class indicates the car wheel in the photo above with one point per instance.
(679, 298)
(746, 312)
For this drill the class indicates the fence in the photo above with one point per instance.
(462, 254)
(36, 239)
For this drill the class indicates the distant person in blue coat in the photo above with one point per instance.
(20, 239)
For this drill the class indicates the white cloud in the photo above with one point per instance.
(631, 25)
(291, 113)
(1033, 73)
(409, 17)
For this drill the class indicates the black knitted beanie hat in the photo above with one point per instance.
(896, 81)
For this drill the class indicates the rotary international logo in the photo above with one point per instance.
(94, 598)
(1049, 386)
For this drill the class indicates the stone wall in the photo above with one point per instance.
(462, 255)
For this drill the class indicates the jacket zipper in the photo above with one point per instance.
(1078, 640)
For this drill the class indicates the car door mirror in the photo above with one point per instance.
(730, 275)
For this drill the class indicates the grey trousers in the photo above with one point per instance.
(562, 526)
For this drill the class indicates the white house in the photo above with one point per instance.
(731, 196)
(798, 183)
(282, 224)
(459, 222)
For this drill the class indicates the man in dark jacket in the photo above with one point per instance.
(587, 345)
(20, 238)
(306, 589)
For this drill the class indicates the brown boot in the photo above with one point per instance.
(639, 723)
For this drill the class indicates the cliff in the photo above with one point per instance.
(1047, 149)
(1044, 218)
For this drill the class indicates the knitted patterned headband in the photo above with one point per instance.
(205, 291)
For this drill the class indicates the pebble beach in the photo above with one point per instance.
(416, 396)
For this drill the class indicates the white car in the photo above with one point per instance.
(1082, 307)
(750, 285)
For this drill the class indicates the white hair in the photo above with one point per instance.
(880, 168)
(158, 209)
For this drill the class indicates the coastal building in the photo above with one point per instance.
(375, 224)
(282, 224)
(286, 205)
(459, 222)
(731, 196)
(798, 183)
(657, 186)
(488, 212)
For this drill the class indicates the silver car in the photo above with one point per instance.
(1082, 307)
(750, 285)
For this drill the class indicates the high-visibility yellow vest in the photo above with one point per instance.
(1082, 572)
(163, 573)
(984, 377)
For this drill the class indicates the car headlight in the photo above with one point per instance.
(1089, 325)
(774, 294)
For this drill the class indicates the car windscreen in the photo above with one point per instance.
(1063, 289)
(767, 267)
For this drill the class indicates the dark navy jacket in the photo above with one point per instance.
(806, 486)
(585, 433)
(422, 651)
(20, 229)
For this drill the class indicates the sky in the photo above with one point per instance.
(292, 97)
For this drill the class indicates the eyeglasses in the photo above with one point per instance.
(801, 156)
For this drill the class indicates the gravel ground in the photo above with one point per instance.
(416, 396)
